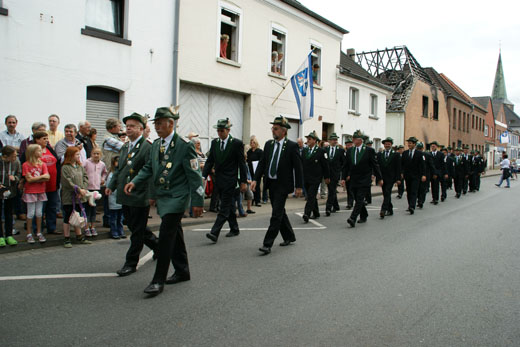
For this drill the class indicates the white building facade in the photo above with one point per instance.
(237, 55)
(361, 102)
(85, 59)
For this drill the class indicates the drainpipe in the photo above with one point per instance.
(175, 77)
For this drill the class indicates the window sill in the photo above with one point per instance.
(354, 113)
(373, 117)
(228, 62)
(272, 74)
(4, 11)
(104, 35)
(317, 86)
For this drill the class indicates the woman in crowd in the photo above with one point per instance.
(36, 174)
(74, 183)
(97, 173)
(93, 137)
(10, 174)
(253, 156)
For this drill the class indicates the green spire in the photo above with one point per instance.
(499, 87)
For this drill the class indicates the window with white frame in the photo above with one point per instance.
(316, 64)
(354, 100)
(105, 15)
(373, 105)
(278, 40)
(230, 22)
(486, 130)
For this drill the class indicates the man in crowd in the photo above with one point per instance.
(315, 168)
(467, 159)
(84, 138)
(336, 156)
(136, 207)
(450, 168)
(362, 163)
(390, 165)
(439, 172)
(400, 188)
(11, 137)
(36, 126)
(226, 155)
(54, 134)
(424, 187)
(478, 167)
(460, 172)
(174, 175)
(282, 168)
(110, 148)
(414, 171)
(70, 140)
(350, 195)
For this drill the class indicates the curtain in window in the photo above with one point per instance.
(104, 15)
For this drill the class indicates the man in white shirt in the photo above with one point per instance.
(11, 137)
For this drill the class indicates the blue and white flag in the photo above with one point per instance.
(504, 137)
(304, 90)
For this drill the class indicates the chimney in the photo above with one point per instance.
(351, 53)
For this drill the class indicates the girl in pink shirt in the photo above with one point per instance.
(35, 174)
(97, 173)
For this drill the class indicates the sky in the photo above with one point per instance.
(459, 38)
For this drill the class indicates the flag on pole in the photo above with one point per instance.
(303, 89)
(504, 137)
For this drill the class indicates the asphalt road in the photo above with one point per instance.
(446, 276)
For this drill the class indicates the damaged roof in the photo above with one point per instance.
(349, 67)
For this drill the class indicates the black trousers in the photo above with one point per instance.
(360, 194)
(477, 181)
(445, 183)
(7, 206)
(311, 206)
(435, 184)
(350, 194)
(215, 196)
(465, 183)
(279, 221)
(387, 197)
(332, 198)
(458, 182)
(412, 189)
(424, 187)
(171, 248)
(400, 188)
(136, 219)
(226, 212)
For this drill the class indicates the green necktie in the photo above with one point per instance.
(274, 163)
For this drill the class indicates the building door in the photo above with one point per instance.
(102, 103)
(201, 107)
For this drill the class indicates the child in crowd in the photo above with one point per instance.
(96, 172)
(74, 183)
(11, 170)
(35, 174)
(115, 209)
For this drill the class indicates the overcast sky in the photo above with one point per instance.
(458, 38)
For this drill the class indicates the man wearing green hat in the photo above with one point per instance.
(390, 164)
(439, 172)
(282, 168)
(136, 206)
(226, 156)
(450, 168)
(460, 171)
(424, 187)
(413, 167)
(400, 188)
(350, 195)
(315, 168)
(173, 171)
(362, 163)
(336, 157)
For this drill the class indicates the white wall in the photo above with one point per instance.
(46, 67)
(198, 61)
(375, 128)
(395, 127)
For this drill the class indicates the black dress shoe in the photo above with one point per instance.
(250, 211)
(314, 217)
(411, 210)
(435, 202)
(442, 199)
(420, 205)
(305, 218)
(213, 210)
(334, 210)
(349, 207)
(154, 289)
(286, 243)
(232, 234)
(351, 222)
(389, 213)
(212, 237)
(457, 196)
(265, 250)
(177, 278)
(362, 220)
(125, 271)
(327, 213)
(382, 214)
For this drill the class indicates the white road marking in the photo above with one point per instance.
(142, 261)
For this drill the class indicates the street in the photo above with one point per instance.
(446, 276)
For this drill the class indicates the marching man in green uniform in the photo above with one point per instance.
(173, 172)
(136, 206)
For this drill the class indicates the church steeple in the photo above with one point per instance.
(499, 87)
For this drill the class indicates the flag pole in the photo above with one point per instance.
(281, 91)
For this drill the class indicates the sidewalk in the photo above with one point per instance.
(154, 222)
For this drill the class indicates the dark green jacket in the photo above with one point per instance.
(129, 166)
(175, 178)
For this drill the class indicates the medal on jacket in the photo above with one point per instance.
(161, 180)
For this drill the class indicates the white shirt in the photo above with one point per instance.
(504, 164)
(13, 140)
(133, 143)
(223, 141)
(280, 144)
(167, 140)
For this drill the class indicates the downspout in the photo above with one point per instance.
(175, 72)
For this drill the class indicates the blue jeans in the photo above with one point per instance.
(116, 222)
(237, 201)
(502, 180)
